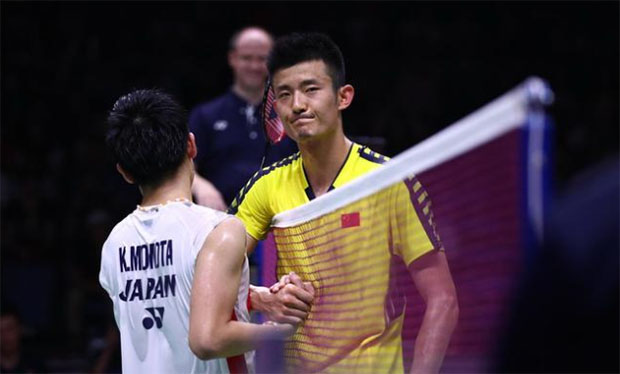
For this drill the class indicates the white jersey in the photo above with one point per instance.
(147, 268)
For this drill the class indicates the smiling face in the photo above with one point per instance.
(248, 59)
(307, 103)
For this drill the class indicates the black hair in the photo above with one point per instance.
(148, 135)
(295, 48)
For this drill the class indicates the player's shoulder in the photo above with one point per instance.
(283, 163)
(276, 170)
(268, 178)
(231, 225)
(119, 231)
(200, 213)
(368, 156)
(229, 237)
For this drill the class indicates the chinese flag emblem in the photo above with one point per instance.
(350, 220)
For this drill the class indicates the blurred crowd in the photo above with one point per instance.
(416, 69)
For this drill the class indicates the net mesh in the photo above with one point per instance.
(355, 244)
(352, 257)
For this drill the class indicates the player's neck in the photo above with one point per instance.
(323, 159)
(177, 187)
(252, 96)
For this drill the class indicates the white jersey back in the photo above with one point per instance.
(147, 268)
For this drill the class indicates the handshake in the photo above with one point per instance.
(286, 302)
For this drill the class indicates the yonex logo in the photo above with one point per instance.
(155, 319)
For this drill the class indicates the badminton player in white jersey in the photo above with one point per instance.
(177, 272)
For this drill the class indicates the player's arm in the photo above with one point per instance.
(252, 208)
(207, 194)
(416, 241)
(433, 280)
(217, 276)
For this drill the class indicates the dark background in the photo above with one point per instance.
(416, 67)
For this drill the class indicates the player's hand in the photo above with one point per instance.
(207, 195)
(293, 278)
(291, 304)
(284, 280)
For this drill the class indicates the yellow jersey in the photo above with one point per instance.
(355, 257)
(283, 186)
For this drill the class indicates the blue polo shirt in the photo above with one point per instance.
(231, 143)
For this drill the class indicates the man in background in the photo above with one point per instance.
(228, 128)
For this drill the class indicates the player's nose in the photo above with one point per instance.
(299, 104)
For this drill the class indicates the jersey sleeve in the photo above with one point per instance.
(106, 272)
(252, 207)
(413, 229)
(212, 219)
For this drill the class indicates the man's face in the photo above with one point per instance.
(249, 59)
(305, 100)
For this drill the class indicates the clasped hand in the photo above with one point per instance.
(287, 301)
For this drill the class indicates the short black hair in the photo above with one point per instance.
(148, 135)
(295, 48)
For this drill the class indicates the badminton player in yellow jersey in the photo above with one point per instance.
(307, 73)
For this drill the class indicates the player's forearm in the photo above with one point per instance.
(207, 194)
(440, 319)
(201, 184)
(257, 298)
(198, 181)
(234, 338)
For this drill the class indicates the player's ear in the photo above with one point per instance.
(125, 174)
(345, 96)
(192, 150)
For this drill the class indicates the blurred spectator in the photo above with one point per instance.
(13, 358)
(109, 357)
(228, 129)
